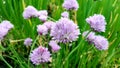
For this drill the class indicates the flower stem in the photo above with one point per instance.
(1, 57)
(13, 41)
(51, 19)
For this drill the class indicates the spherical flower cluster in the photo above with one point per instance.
(49, 24)
(29, 12)
(55, 47)
(90, 36)
(43, 14)
(65, 30)
(3, 32)
(97, 22)
(40, 55)
(42, 29)
(5, 26)
(101, 43)
(65, 14)
(28, 41)
(70, 5)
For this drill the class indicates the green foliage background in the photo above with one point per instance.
(80, 54)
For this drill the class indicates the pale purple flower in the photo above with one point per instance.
(43, 18)
(70, 4)
(40, 55)
(65, 14)
(6, 24)
(65, 30)
(29, 12)
(3, 32)
(42, 12)
(55, 47)
(101, 43)
(42, 29)
(97, 22)
(90, 36)
(49, 24)
(28, 41)
(43, 15)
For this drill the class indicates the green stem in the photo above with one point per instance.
(1, 57)
(51, 19)
(16, 55)
(73, 51)
(41, 4)
(5, 61)
(12, 41)
(67, 52)
(76, 48)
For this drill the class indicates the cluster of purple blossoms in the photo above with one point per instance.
(43, 14)
(90, 36)
(3, 32)
(65, 14)
(30, 11)
(40, 55)
(65, 30)
(97, 22)
(49, 24)
(5, 26)
(28, 41)
(100, 42)
(55, 47)
(70, 5)
(42, 29)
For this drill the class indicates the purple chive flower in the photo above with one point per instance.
(42, 29)
(65, 14)
(97, 22)
(6, 24)
(40, 55)
(49, 24)
(90, 36)
(43, 18)
(65, 30)
(55, 47)
(3, 32)
(43, 14)
(28, 41)
(101, 43)
(29, 12)
(70, 5)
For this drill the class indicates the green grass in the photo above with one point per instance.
(80, 54)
